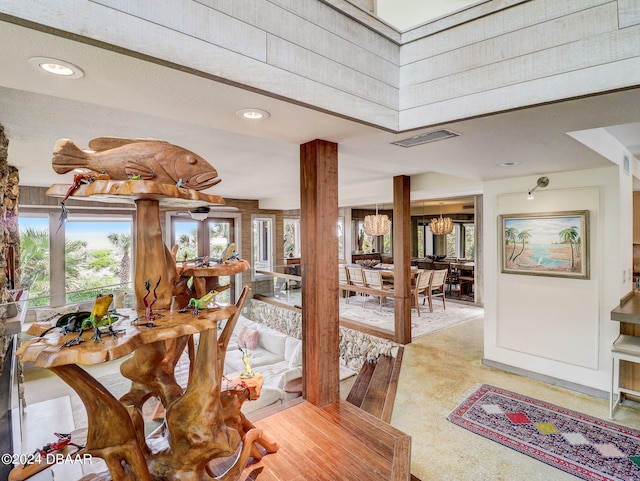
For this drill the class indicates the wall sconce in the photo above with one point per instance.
(542, 182)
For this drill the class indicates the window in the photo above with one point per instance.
(461, 242)
(452, 242)
(220, 236)
(73, 261)
(469, 240)
(185, 236)
(387, 242)
(263, 243)
(35, 258)
(207, 238)
(366, 243)
(292, 237)
(97, 254)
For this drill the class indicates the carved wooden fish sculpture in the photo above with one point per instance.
(123, 159)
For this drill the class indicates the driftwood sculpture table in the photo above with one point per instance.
(203, 424)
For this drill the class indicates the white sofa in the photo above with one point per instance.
(277, 357)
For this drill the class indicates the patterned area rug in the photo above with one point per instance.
(586, 447)
(428, 322)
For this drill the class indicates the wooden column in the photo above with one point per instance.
(402, 257)
(320, 316)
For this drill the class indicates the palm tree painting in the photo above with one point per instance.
(554, 244)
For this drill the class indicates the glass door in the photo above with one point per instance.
(207, 238)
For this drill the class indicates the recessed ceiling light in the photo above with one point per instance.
(56, 67)
(252, 114)
(509, 164)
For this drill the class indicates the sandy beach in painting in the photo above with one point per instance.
(530, 260)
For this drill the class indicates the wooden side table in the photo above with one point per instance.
(253, 384)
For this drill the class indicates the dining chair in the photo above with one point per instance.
(356, 278)
(343, 280)
(437, 287)
(423, 281)
(452, 274)
(465, 279)
(373, 279)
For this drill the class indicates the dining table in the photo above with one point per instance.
(387, 273)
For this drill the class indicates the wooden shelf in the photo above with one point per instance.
(628, 310)
(120, 191)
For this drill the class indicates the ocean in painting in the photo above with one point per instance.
(542, 255)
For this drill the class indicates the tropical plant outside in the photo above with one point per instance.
(289, 239)
(87, 271)
(34, 261)
(187, 246)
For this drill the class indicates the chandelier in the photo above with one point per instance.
(440, 225)
(378, 224)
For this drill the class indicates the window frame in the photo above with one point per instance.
(57, 288)
(269, 248)
(202, 234)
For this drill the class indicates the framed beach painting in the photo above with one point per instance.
(552, 244)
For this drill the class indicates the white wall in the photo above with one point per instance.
(555, 326)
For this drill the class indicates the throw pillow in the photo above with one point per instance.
(248, 338)
(296, 357)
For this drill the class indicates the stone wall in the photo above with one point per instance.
(9, 232)
(356, 347)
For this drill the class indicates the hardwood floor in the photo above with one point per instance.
(336, 442)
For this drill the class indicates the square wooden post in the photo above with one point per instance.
(319, 258)
(402, 257)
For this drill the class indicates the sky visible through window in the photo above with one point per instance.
(93, 232)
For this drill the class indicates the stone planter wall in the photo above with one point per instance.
(356, 347)
(9, 232)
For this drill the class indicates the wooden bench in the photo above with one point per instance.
(374, 390)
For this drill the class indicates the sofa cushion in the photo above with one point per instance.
(272, 340)
(248, 337)
(295, 359)
(258, 357)
(290, 347)
(273, 373)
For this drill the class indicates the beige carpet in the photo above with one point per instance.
(428, 322)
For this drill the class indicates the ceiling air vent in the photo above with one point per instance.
(426, 138)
